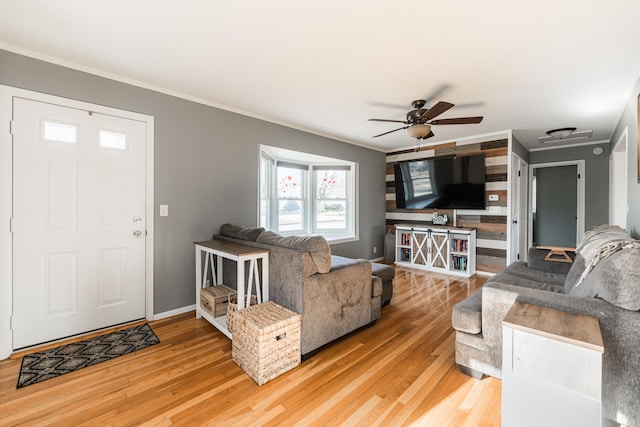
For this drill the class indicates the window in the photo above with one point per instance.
(291, 179)
(59, 132)
(331, 198)
(307, 194)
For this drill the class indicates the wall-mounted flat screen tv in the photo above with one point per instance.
(441, 183)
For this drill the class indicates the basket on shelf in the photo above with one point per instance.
(232, 307)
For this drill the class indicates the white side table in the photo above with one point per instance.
(221, 249)
(551, 368)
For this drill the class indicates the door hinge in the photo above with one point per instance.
(11, 323)
(578, 176)
(518, 173)
(518, 257)
(11, 225)
(12, 127)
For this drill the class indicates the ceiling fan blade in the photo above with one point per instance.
(395, 130)
(437, 93)
(385, 120)
(457, 121)
(436, 110)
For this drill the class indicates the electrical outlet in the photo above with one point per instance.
(494, 197)
(375, 249)
(494, 209)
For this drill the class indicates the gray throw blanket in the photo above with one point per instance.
(602, 242)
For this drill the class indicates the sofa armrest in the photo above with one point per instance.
(619, 327)
(335, 303)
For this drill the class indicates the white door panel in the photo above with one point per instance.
(79, 197)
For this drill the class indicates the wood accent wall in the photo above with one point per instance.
(491, 253)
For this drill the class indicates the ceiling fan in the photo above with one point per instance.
(420, 119)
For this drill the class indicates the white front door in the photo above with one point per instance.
(78, 221)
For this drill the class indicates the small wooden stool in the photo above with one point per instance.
(557, 253)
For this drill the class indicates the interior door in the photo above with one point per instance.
(555, 206)
(78, 221)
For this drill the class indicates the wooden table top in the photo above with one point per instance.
(577, 329)
(232, 248)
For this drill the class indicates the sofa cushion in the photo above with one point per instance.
(242, 233)
(536, 260)
(518, 274)
(383, 271)
(615, 279)
(467, 314)
(317, 247)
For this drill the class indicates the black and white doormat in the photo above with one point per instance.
(58, 361)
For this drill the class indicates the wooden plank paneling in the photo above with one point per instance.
(499, 143)
(462, 150)
(491, 235)
(496, 170)
(493, 219)
(496, 177)
(496, 253)
(490, 268)
(496, 152)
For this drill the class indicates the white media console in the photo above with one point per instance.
(442, 249)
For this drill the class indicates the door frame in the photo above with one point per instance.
(519, 185)
(619, 164)
(580, 202)
(7, 93)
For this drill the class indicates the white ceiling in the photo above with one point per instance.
(328, 66)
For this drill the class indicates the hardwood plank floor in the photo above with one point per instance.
(401, 371)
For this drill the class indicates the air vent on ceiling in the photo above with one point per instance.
(575, 136)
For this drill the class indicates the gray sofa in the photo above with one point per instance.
(608, 290)
(334, 295)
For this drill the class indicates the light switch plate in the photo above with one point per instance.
(493, 197)
(164, 210)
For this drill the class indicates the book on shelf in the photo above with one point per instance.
(459, 262)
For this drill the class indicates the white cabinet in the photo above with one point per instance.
(551, 368)
(442, 249)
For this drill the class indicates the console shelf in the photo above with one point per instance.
(448, 250)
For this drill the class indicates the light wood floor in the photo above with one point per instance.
(399, 372)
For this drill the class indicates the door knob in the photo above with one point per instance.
(137, 233)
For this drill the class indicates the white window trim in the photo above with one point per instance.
(349, 234)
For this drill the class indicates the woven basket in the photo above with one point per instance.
(232, 307)
(266, 341)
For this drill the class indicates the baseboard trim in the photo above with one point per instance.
(181, 310)
(377, 259)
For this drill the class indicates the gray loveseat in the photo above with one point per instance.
(608, 290)
(334, 295)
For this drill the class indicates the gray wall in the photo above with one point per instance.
(206, 167)
(629, 120)
(596, 179)
(518, 148)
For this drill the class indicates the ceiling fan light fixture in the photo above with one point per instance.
(561, 133)
(419, 131)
